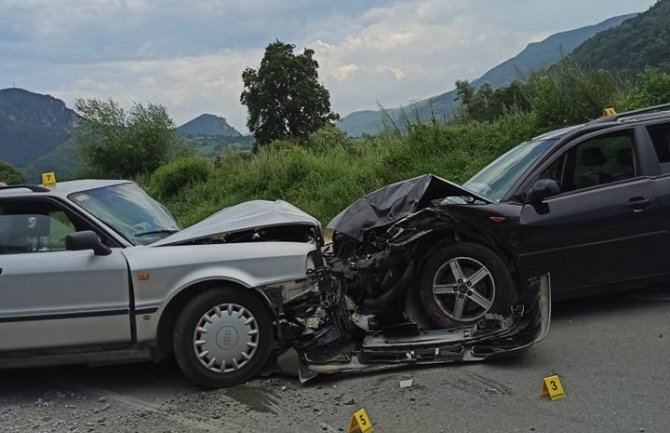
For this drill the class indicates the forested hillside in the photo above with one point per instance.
(640, 41)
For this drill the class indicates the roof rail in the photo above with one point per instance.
(616, 117)
(33, 188)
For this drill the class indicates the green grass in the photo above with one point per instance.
(332, 170)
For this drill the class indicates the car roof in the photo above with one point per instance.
(558, 133)
(61, 189)
(645, 115)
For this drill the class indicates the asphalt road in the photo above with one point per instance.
(612, 354)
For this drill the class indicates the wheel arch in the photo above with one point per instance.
(453, 235)
(176, 304)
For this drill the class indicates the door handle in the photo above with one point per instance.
(638, 204)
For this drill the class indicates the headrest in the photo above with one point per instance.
(593, 156)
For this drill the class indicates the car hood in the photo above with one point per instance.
(248, 215)
(395, 201)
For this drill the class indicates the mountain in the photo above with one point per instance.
(31, 124)
(209, 124)
(535, 56)
(640, 41)
(209, 135)
(32, 127)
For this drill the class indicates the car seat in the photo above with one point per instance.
(594, 159)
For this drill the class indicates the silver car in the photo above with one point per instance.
(97, 271)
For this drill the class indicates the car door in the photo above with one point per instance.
(51, 297)
(601, 228)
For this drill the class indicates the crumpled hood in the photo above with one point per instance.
(393, 202)
(248, 215)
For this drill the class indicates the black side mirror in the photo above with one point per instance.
(86, 240)
(542, 189)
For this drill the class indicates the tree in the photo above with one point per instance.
(10, 174)
(486, 104)
(284, 97)
(567, 94)
(114, 143)
(653, 88)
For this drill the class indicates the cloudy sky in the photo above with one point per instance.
(189, 54)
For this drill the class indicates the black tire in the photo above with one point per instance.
(247, 305)
(497, 287)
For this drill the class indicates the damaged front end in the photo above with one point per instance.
(329, 338)
(365, 311)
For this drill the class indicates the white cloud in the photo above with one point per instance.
(189, 56)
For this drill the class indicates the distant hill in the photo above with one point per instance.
(535, 56)
(36, 131)
(643, 40)
(209, 124)
(32, 126)
(209, 135)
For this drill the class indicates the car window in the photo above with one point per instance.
(32, 227)
(660, 136)
(596, 161)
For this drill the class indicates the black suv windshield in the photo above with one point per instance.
(130, 211)
(494, 180)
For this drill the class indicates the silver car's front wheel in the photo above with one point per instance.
(223, 337)
(226, 338)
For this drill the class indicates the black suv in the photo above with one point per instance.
(589, 204)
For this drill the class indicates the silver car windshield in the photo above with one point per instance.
(130, 211)
(495, 180)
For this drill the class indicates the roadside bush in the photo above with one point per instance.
(10, 174)
(653, 88)
(182, 173)
(332, 170)
(567, 94)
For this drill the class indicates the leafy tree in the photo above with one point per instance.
(567, 94)
(10, 174)
(653, 88)
(284, 97)
(486, 104)
(464, 91)
(116, 143)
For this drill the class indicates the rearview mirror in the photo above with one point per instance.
(542, 189)
(86, 240)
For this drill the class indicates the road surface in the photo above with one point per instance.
(612, 354)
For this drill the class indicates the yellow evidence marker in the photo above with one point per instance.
(360, 423)
(49, 179)
(552, 387)
(609, 112)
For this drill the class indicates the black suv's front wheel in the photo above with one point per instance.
(462, 282)
(223, 337)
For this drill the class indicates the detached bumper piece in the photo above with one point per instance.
(493, 336)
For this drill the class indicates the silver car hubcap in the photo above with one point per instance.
(464, 289)
(226, 338)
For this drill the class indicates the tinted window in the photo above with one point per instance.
(660, 136)
(597, 161)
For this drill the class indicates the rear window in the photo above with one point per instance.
(660, 136)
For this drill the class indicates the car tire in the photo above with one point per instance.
(226, 324)
(462, 282)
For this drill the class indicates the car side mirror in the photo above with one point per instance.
(86, 240)
(542, 189)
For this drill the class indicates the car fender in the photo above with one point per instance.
(159, 274)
